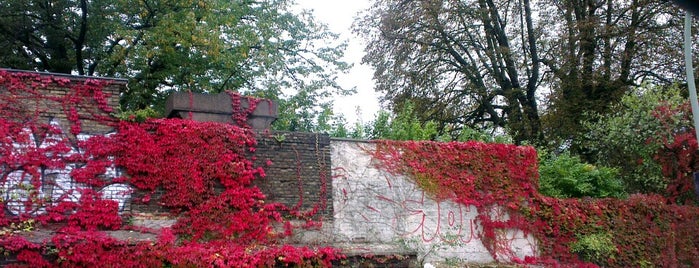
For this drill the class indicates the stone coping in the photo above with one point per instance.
(72, 77)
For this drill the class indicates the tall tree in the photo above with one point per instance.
(461, 63)
(492, 63)
(257, 47)
(601, 51)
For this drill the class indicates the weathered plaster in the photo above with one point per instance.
(373, 207)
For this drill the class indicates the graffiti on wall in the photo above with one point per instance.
(404, 207)
(375, 207)
(27, 188)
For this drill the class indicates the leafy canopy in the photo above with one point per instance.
(254, 47)
(630, 137)
(530, 68)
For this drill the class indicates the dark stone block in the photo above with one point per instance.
(218, 108)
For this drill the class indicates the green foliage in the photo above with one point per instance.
(472, 62)
(596, 248)
(387, 126)
(308, 121)
(258, 48)
(471, 134)
(339, 128)
(406, 125)
(293, 117)
(566, 176)
(140, 115)
(629, 138)
(403, 126)
(381, 126)
(359, 131)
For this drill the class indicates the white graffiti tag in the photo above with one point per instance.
(26, 187)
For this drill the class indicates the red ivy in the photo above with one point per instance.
(200, 171)
(499, 177)
(678, 156)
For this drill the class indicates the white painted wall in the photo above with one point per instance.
(378, 209)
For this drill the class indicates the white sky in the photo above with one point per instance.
(339, 15)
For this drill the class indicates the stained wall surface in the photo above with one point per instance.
(379, 209)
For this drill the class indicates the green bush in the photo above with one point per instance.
(595, 248)
(627, 139)
(402, 126)
(138, 115)
(566, 176)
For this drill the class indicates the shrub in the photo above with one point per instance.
(595, 248)
(629, 138)
(566, 176)
(405, 125)
(140, 115)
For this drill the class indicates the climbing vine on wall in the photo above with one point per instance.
(201, 172)
(501, 182)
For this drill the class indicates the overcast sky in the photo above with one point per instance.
(339, 15)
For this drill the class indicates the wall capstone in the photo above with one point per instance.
(218, 108)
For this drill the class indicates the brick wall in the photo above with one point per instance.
(48, 109)
(299, 175)
(300, 170)
(40, 99)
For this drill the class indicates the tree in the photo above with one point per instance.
(630, 137)
(307, 120)
(51, 35)
(461, 63)
(603, 50)
(403, 126)
(491, 63)
(256, 47)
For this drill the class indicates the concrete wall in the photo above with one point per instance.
(380, 210)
